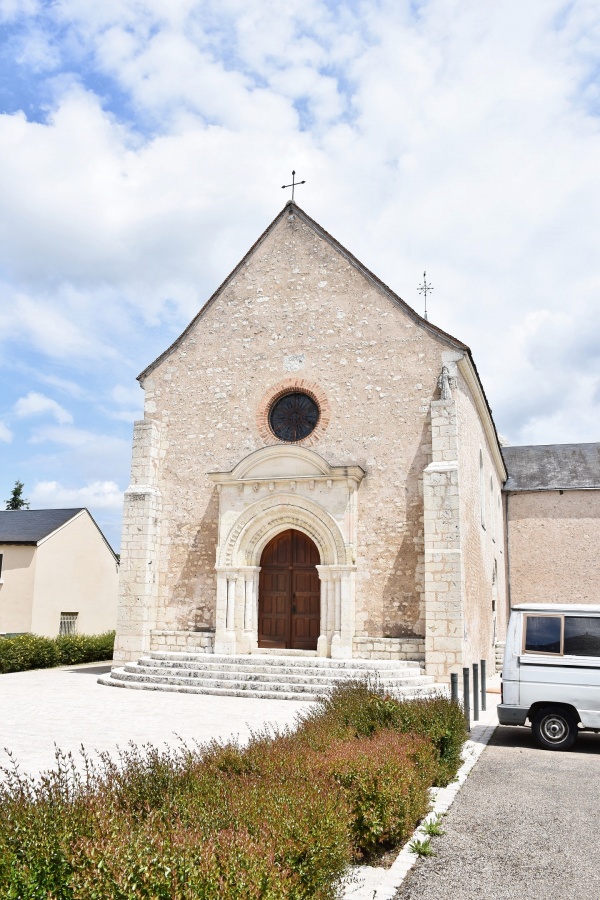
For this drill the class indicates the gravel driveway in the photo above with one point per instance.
(525, 826)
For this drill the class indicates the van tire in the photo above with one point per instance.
(554, 728)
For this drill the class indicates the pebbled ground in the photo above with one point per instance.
(67, 707)
(525, 826)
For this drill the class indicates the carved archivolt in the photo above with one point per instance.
(264, 519)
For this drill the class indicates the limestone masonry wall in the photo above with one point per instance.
(554, 546)
(298, 308)
(482, 536)
(389, 648)
(182, 641)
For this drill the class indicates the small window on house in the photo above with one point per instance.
(481, 489)
(543, 634)
(492, 511)
(68, 623)
(1, 558)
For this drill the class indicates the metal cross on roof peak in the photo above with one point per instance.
(293, 184)
(425, 289)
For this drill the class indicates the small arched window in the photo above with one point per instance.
(481, 489)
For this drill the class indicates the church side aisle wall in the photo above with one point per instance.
(482, 535)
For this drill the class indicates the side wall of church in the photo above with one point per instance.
(554, 546)
(482, 535)
(298, 308)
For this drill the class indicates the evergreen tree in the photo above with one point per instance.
(17, 500)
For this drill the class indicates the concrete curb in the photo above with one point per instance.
(374, 883)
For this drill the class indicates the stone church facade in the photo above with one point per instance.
(317, 470)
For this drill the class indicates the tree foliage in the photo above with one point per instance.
(16, 499)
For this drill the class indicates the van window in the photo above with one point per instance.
(582, 636)
(542, 634)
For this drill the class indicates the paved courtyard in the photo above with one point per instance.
(68, 708)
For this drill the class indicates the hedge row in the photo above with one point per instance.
(278, 819)
(30, 651)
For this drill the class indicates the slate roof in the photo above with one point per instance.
(552, 467)
(30, 526)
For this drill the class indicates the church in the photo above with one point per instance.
(317, 474)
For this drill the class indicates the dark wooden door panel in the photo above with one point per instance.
(289, 593)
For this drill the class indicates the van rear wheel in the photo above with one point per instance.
(554, 728)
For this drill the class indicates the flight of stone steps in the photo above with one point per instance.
(276, 677)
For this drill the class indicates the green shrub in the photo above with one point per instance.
(82, 648)
(386, 780)
(363, 709)
(30, 651)
(279, 818)
(443, 723)
(27, 651)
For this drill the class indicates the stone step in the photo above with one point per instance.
(282, 676)
(270, 691)
(252, 676)
(207, 666)
(298, 685)
(320, 662)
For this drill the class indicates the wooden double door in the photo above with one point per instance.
(289, 593)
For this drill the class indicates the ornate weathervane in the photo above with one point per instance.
(293, 184)
(425, 289)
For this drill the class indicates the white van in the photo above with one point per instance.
(551, 672)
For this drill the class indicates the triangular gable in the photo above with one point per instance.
(290, 205)
(77, 514)
(370, 276)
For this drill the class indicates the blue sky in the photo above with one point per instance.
(143, 144)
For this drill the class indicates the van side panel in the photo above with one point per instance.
(570, 680)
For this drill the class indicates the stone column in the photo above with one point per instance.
(230, 610)
(326, 610)
(236, 628)
(444, 576)
(138, 572)
(225, 612)
(248, 639)
(341, 610)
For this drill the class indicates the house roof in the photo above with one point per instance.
(30, 526)
(552, 467)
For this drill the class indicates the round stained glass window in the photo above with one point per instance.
(293, 417)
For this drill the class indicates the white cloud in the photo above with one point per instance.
(127, 395)
(69, 437)
(458, 138)
(13, 9)
(94, 495)
(35, 404)
(6, 434)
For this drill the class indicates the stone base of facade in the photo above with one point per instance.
(389, 648)
(362, 648)
(180, 641)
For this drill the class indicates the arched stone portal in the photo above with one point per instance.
(274, 490)
(289, 595)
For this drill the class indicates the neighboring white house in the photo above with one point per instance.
(58, 573)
